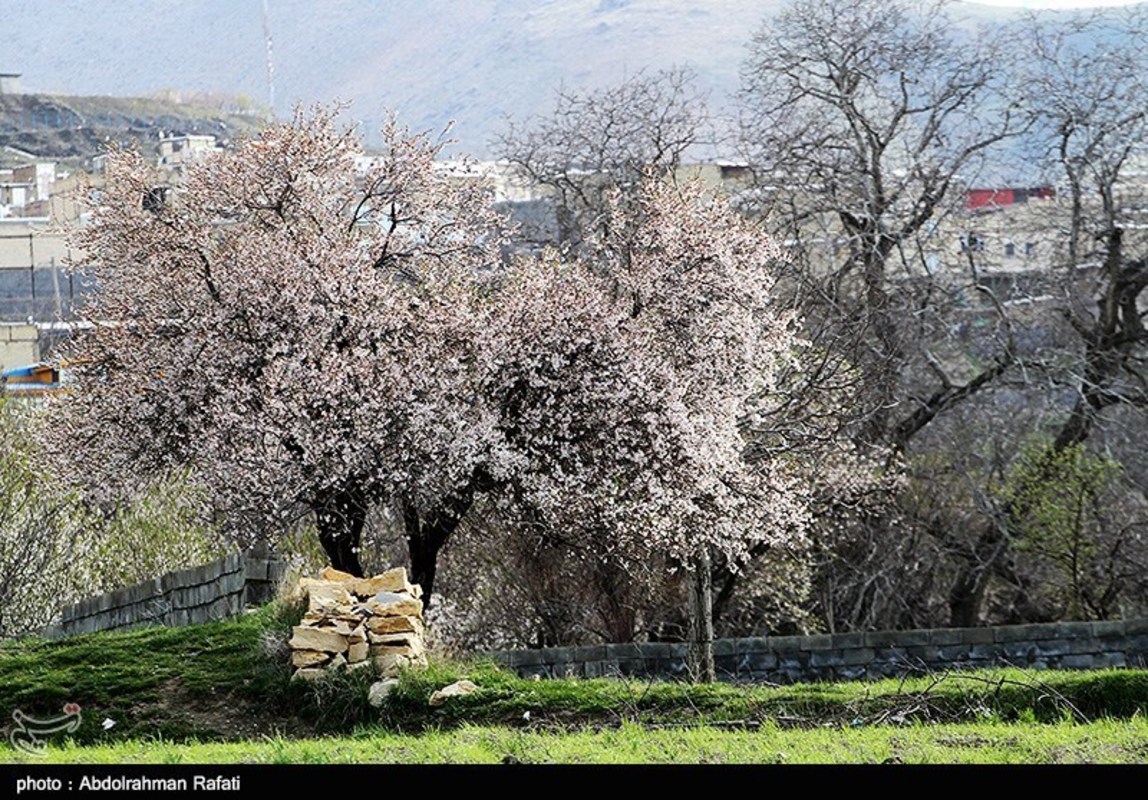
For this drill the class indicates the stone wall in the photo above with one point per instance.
(214, 591)
(849, 656)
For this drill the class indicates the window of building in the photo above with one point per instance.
(1009, 249)
(972, 242)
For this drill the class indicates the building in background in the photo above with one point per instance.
(10, 83)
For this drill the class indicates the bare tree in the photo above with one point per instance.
(1085, 87)
(865, 121)
(598, 141)
(865, 118)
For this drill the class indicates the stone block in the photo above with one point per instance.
(1072, 630)
(784, 644)
(357, 652)
(379, 650)
(1136, 643)
(399, 624)
(851, 673)
(791, 675)
(890, 655)
(593, 652)
(611, 668)
(181, 578)
(945, 637)
(1020, 653)
(821, 641)
(1053, 647)
(857, 656)
(1136, 627)
(985, 652)
(525, 658)
(954, 653)
(977, 635)
(255, 569)
(232, 583)
(898, 639)
(391, 664)
(121, 597)
(405, 643)
(1078, 661)
(1110, 660)
(558, 655)
(310, 674)
(754, 644)
(329, 573)
(844, 641)
(726, 665)
(309, 658)
(722, 647)
(1108, 630)
(1015, 633)
(306, 638)
(395, 605)
(793, 661)
(1082, 646)
(565, 670)
(393, 580)
(626, 650)
(924, 653)
(826, 658)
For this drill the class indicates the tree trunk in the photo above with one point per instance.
(340, 518)
(701, 636)
(428, 533)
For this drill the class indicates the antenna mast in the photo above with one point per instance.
(270, 60)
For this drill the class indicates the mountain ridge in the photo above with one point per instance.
(430, 61)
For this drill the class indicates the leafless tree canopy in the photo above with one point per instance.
(611, 138)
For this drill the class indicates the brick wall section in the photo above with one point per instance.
(214, 591)
(852, 656)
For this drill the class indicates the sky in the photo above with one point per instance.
(1053, 3)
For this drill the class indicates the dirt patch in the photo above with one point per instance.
(225, 716)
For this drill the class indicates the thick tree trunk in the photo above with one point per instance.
(428, 533)
(701, 636)
(340, 519)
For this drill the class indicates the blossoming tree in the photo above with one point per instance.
(297, 323)
(315, 332)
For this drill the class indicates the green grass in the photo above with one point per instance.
(1110, 741)
(149, 681)
(222, 692)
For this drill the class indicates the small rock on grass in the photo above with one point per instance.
(456, 689)
(379, 691)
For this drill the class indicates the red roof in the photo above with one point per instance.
(995, 198)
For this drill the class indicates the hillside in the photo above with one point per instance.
(62, 128)
(230, 681)
(432, 61)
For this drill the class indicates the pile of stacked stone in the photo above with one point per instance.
(353, 622)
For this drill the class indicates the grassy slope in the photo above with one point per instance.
(227, 682)
(1109, 741)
